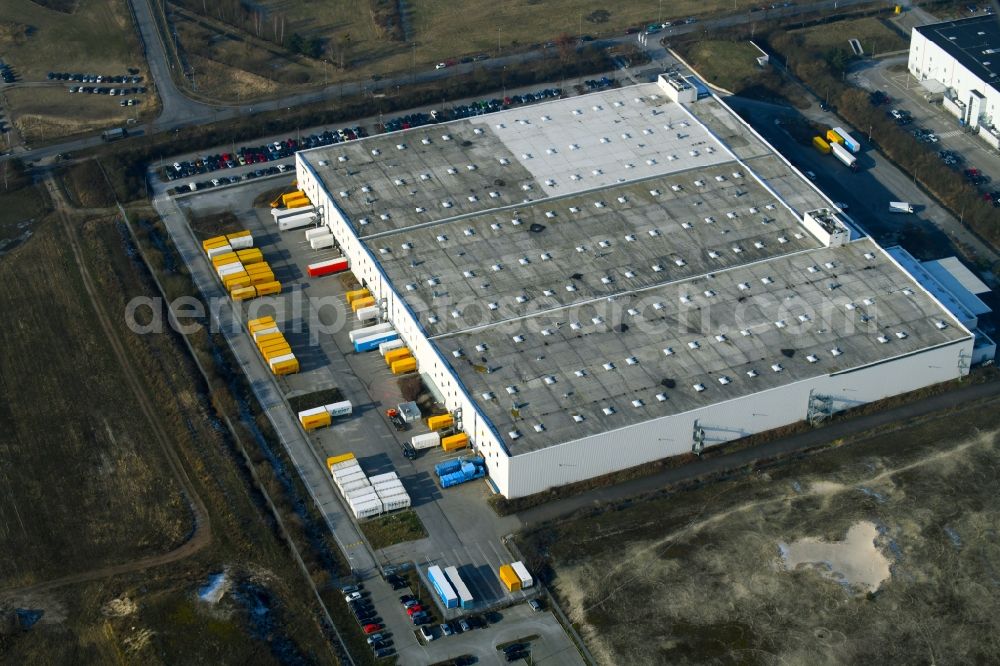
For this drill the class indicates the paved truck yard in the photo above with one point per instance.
(462, 530)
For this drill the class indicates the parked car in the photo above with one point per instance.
(350, 589)
(413, 610)
(464, 625)
(372, 628)
(427, 633)
(353, 596)
(535, 604)
(446, 629)
(411, 602)
(375, 638)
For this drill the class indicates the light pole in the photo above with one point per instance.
(498, 41)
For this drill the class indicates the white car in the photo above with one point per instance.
(440, 65)
(353, 596)
(215, 182)
(281, 168)
(177, 166)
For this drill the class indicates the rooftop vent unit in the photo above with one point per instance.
(608, 411)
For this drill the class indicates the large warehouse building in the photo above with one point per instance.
(961, 59)
(598, 282)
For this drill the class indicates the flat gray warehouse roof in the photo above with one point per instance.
(594, 262)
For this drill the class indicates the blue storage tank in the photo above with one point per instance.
(448, 466)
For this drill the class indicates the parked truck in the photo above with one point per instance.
(328, 267)
(296, 221)
(114, 134)
(442, 587)
(280, 213)
(846, 140)
(366, 331)
(373, 341)
(464, 596)
(900, 207)
(428, 440)
(845, 156)
(821, 145)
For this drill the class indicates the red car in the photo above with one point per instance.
(414, 609)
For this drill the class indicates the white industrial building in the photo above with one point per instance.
(961, 60)
(598, 282)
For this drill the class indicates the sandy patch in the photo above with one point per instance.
(120, 607)
(856, 561)
(826, 487)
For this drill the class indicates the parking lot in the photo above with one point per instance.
(462, 530)
(910, 107)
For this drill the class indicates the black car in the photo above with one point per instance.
(476, 622)
(516, 656)
(515, 647)
(407, 597)
(383, 652)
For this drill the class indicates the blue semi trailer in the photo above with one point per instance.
(373, 341)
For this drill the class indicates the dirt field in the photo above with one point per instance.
(97, 38)
(894, 538)
(75, 463)
(874, 35)
(104, 563)
(352, 47)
